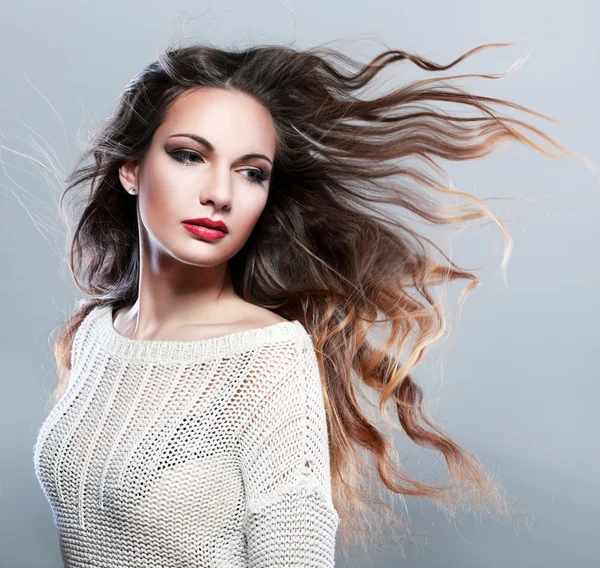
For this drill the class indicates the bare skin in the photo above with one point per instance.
(185, 287)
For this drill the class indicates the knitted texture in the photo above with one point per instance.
(209, 453)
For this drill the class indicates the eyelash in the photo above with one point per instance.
(261, 176)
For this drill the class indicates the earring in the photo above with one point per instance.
(132, 190)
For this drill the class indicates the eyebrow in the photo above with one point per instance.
(211, 148)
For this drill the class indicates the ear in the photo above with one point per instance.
(128, 174)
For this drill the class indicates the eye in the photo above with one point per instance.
(260, 176)
(180, 157)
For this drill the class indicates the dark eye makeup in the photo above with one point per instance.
(182, 157)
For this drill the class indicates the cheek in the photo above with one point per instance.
(247, 220)
(240, 229)
(162, 199)
(247, 209)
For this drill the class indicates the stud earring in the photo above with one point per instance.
(132, 190)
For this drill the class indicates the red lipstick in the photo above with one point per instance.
(206, 228)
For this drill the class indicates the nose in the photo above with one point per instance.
(218, 190)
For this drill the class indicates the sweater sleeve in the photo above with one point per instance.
(290, 519)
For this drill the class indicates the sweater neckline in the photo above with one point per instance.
(174, 350)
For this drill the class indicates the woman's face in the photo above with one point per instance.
(181, 178)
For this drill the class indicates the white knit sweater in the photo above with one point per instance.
(186, 454)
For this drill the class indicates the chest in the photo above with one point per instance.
(133, 439)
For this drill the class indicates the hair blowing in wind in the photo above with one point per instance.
(333, 247)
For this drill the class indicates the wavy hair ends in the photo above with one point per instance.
(332, 247)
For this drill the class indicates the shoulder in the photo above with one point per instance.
(244, 315)
(257, 316)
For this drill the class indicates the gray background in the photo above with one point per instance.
(516, 382)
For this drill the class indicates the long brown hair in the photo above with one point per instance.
(324, 251)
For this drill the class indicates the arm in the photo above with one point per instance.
(284, 454)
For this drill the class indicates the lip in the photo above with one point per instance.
(204, 232)
(207, 222)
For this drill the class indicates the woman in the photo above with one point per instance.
(236, 260)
